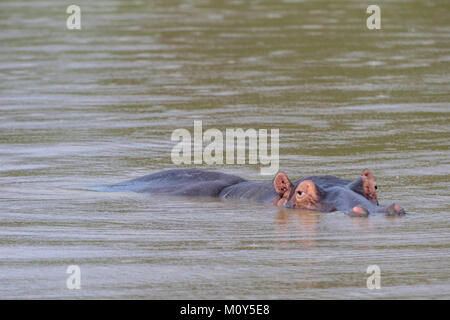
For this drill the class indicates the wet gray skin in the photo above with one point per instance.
(178, 182)
(335, 194)
(342, 198)
(98, 106)
(264, 192)
(331, 181)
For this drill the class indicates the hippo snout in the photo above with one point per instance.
(358, 211)
(395, 210)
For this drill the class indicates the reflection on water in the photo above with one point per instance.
(96, 106)
(305, 223)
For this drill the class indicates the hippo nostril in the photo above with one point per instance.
(359, 211)
(395, 210)
(399, 210)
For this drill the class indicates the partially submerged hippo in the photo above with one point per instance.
(320, 193)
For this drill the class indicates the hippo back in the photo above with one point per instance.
(183, 182)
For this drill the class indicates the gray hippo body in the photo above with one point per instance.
(180, 182)
(322, 193)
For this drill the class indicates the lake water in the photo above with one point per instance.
(98, 105)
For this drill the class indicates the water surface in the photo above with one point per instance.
(81, 108)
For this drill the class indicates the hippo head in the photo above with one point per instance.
(357, 199)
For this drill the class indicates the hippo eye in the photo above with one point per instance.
(376, 187)
(299, 193)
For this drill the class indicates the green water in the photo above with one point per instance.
(99, 105)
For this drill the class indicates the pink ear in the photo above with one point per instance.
(369, 184)
(282, 185)
(366, 173)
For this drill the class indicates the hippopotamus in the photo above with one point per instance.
(320, 193)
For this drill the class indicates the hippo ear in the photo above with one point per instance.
(367, 174)
(369, 186)
(282, 184)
